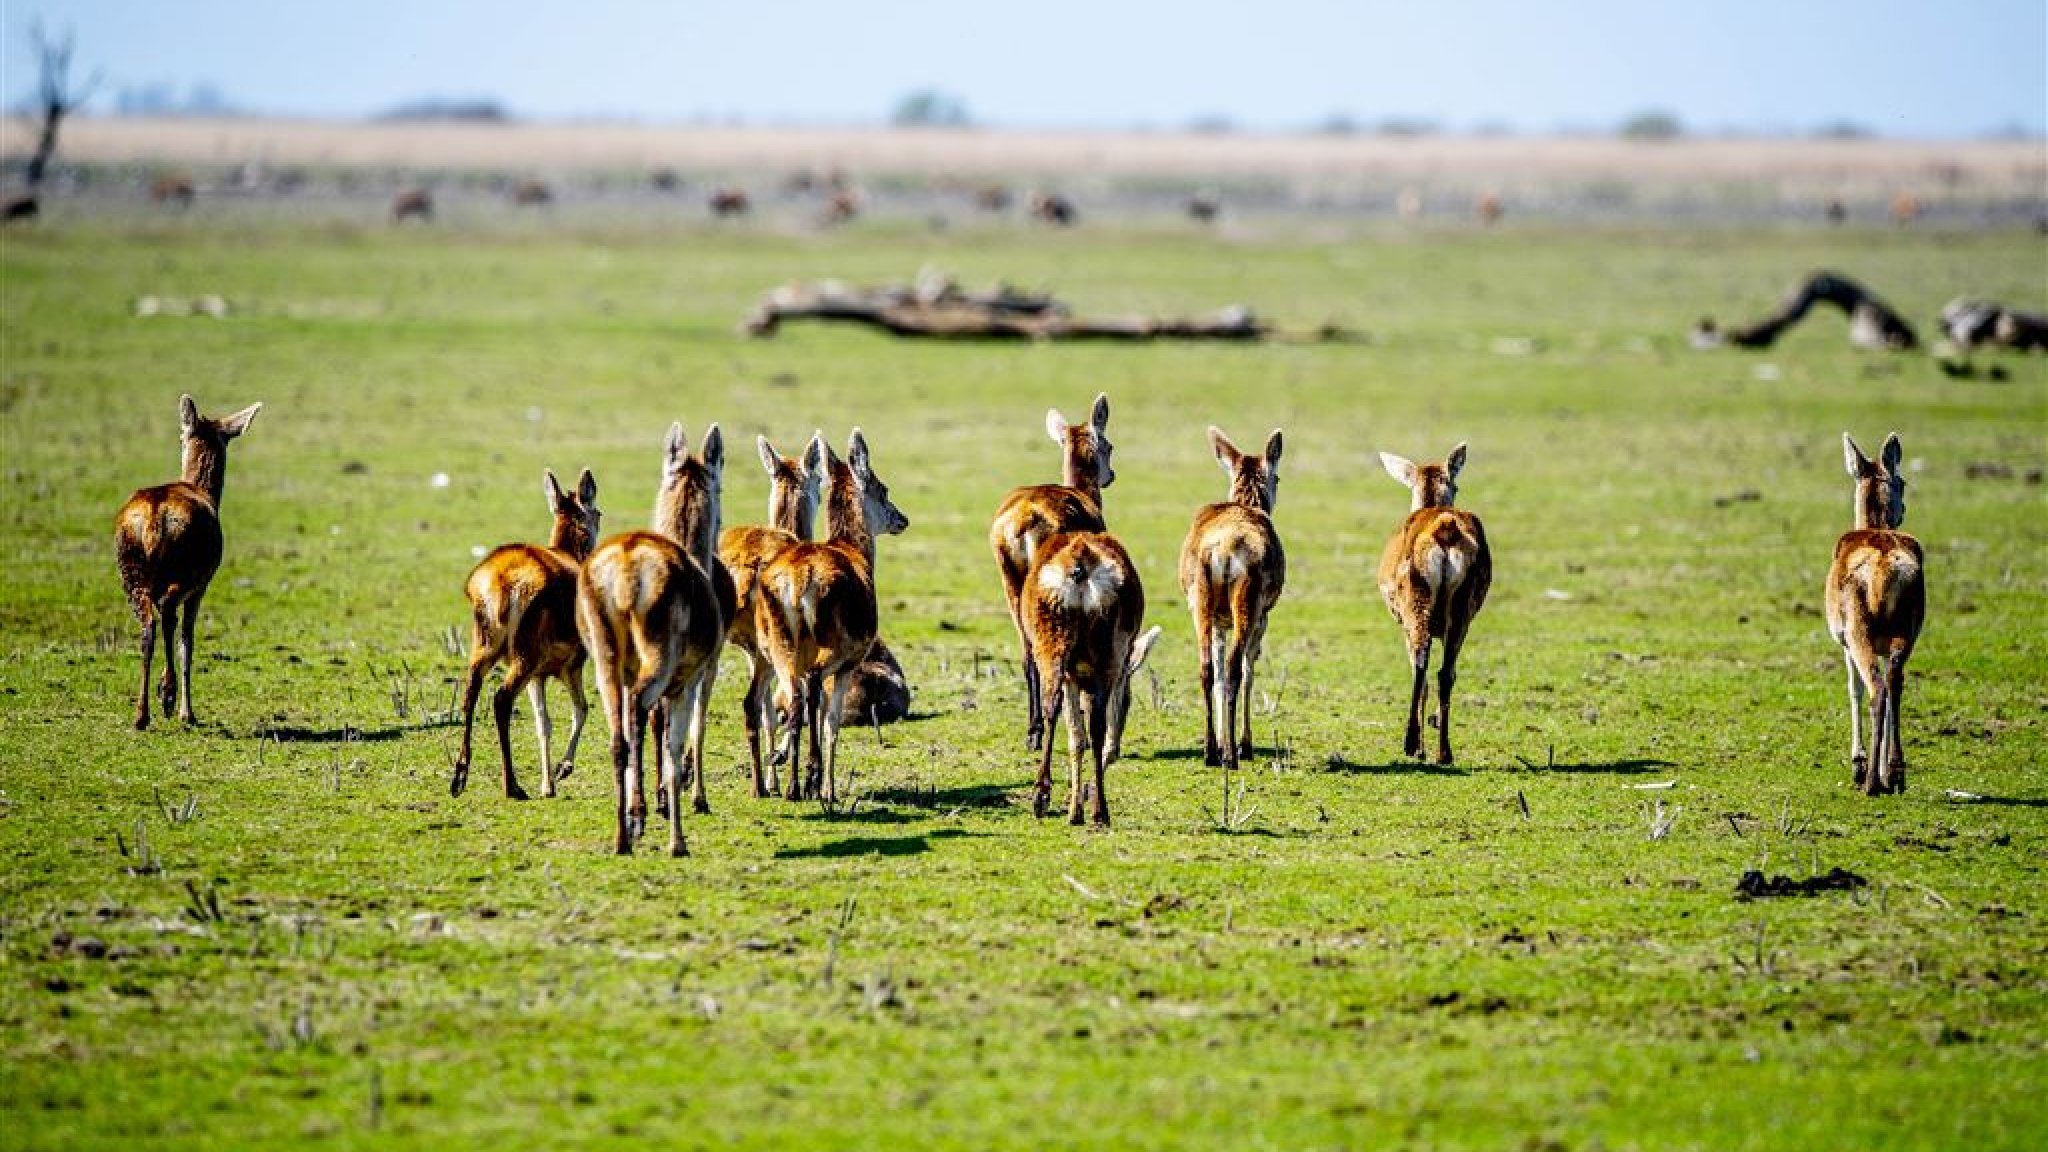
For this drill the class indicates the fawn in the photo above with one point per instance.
(1232, 570)
(651, 618)
(1434, 575)
(816, 617)
(167, 543)
(1083, 607)
(1027, 517)
(1876, 601)
(522, 603)
(744, 549)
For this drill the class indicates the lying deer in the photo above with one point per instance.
(650, 616)
(1434, 575)
(1876, 602)
(167, 542)
(1028, 517)
(816, 617)
(522, 603)
(1083, 607)
(746, 549)
(1232, 569)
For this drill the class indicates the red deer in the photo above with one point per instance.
(21, 208)
(729, 201)
(1082, 611)
(1204, 208)
(649, 614)
(1434, 575)
(175, 189)
(1028, 517)
(413, 203)
(745, 549)
(1876, 602)
(1232, 570)
(842, 206)
(1905, 209)
(522, 604)
(992, 198)
(816, 617)
(532, 193)
(1491, 208)
(167, 542)
(1053, 208)
(665, 180)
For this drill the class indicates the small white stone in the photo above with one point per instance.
(439, 480)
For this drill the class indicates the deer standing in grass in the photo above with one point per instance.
(522, 603)
(816, 616)
(745, 549)
(1232, 570)
(1434, 575)
(167, 544)
(1083, 607)
(1028, 517)
(651, 618)
(1876, 602)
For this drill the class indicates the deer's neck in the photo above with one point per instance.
(687, 514)
(569, 537)
(846, 521)
(206, 468)
(1081, 474)
(795, 514)
(1247, 492)
(1871, 512)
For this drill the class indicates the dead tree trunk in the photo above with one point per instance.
(1872, 323)
(55, 98)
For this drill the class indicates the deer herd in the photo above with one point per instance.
(652, 610)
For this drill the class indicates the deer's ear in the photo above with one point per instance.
(233, 426)
(188, 414)
(1399, 467)
(770, 459)
(1893, 452)
(1853, 458)
(713, 449)
(556, 497)
(586, 487)
(818, 457)
(1099, 415)
(677, 449)
(1056, 425)
(857, 454)
(1273, 451)
(1455, 462)
(1225, 452)
(1141, 648)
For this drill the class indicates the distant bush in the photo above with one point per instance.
(436, 108)
(1652, 126)
(1842, 130)
(930, 108)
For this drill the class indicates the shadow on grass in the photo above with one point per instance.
(873, 845)
(1401, 767)
(863, 816)
(944, 799)
(2013, 801)
(346, 734)
(1629, 767)
(1195, 752)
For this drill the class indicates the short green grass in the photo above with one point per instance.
(1374, 953)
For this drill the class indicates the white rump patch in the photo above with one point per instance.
(1092, 594)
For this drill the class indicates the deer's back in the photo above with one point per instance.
(743, 551)
(1028, 517)
(1083, 603)
(1228, 545)
(827, 595)
(1877, 576)
(1435, 556)
(167, 541)
(646, 579)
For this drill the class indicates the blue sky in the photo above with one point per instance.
(1897, 67)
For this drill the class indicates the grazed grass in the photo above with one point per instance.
(1495, 954)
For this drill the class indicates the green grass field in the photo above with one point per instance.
(325, 948)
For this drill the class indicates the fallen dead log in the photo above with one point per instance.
(936, 308)
(1972, 324)
(1872, 323)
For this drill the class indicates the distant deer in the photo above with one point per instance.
(992, 198)
(1434, 575)
(532, 194)
(816, 617)
(1082, 611)
(1232, 570)
(841, 206)
(522, 603)
(650, 617)
(745, 549)
(1203, 208)
(1028, 517)
(25, 207)
(729, 201)
(167, 542)
(1053, 208)
(1876, 602)
(175, 189)
(413, 203)
(1490, 209)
